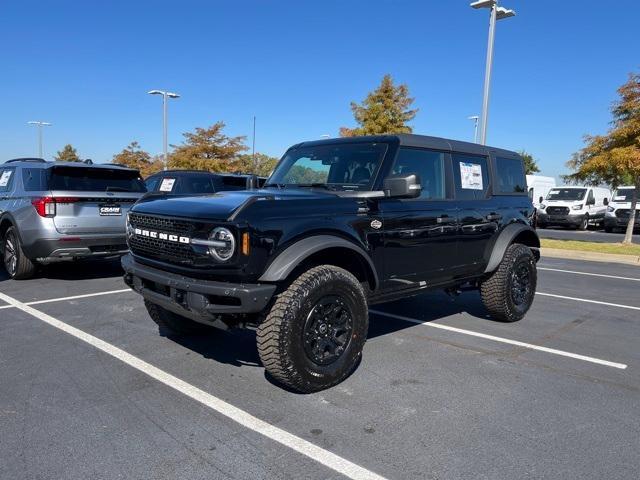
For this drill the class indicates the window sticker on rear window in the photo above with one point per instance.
(471, 176)
(5, 177)
(167, 184)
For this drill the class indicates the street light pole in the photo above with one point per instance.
(165, 96)
(475, 127)
(497, 13)
(39, 124)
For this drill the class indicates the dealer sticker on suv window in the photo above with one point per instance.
(4, 179)
(167, 184)
(471, 175)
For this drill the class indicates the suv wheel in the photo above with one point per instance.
(173, 324)
(313, 336)
(18, 266)
(508, 292)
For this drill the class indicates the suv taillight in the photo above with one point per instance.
(46, 206)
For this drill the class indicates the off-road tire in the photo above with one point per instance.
(280, 335)
(24, 267)
(172, 324)
(496, 291)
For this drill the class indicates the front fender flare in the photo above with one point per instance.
(294, 254)
(506, 238)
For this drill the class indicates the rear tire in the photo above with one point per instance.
(508, 293)
(172, 324)
(18, 266)
(313, 336)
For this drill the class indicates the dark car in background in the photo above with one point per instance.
(197, 182)
(62, 211)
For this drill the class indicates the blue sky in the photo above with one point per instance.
(85, 66)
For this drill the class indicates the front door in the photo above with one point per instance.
(419, 233)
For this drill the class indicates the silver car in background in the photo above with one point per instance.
(62, 211)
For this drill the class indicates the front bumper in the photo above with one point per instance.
(573, 220)
(617, 222)
(49, 250)
(200, 300)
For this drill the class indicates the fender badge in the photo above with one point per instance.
(376, 224)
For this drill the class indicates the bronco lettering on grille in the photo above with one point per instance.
(161, 236)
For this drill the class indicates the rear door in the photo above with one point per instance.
(93, 200)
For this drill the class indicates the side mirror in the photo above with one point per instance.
(605, 202)
(591, 201)
(541, 200)
(402, 186)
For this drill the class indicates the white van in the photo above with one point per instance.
(619, 208)
(538, 187)
(576, 207)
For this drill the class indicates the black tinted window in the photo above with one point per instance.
(471, 176)
(428, 165)
(96, 180)
(232, 183)
(510, 175)
(6, 179)
(195, 184)
(34, 179)
(151, 183)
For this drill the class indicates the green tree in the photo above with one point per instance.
(614, 158)
(207, 149)
(530, 164)
(67, 154)
(134, 157)
(264, 164)
(384, 110)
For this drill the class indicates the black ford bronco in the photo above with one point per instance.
(339, 225)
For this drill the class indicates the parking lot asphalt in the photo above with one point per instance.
(90, 390)
(591, 235)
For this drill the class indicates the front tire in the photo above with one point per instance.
(313, 336)
(508, 293)
(18, 266)
(172, 324)
(584, 224)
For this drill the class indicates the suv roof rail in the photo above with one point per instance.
(27, 159)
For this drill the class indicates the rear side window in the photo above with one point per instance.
(428, 165)
(195, 184)
(95, 180)
(34, 179)
(233, 183)
(6, 179)
(510, 175)
(471, 176)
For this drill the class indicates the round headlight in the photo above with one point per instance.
(221, 234)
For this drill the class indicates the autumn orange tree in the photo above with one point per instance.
(207, 149)
(614, 158)
(384, 110)
(134, 157)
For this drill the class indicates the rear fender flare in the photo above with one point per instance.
(506, 238)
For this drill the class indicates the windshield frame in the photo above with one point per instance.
(386, 147)
(582, 189)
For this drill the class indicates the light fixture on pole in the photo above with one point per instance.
(165, 96)
(497, 13)
(475, 127)
(39, 124)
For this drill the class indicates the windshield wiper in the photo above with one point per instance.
(326, 186)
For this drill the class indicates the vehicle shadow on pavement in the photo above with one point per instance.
(82, 270)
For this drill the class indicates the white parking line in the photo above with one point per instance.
(73, 297)
(590, 274)
(308, 449)
(618, 305)
(529, 346)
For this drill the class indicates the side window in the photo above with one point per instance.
(34, 179)
(510, 175)
(428, 165)
(591, 199)
(471, 176)
(6, 179)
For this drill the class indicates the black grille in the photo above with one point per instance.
(558, 210)
(166, 250)
(625, 212)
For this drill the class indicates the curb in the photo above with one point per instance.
(590, 256)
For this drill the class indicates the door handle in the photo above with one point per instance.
(445, 219)
(493, 216)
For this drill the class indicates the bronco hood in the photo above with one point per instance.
(219, 206)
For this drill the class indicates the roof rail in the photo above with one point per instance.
(27, 159)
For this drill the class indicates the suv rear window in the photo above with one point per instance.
(95, 180)
(510, 173)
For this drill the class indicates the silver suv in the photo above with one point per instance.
(61, 211)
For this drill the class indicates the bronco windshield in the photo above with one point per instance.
(349, 166)
(566, 194)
